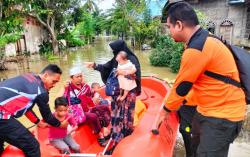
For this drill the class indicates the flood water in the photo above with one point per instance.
(100, 53)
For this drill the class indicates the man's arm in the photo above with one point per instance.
(42, 102)
(193, 64)
(32, 117)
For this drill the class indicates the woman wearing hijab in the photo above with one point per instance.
(122, 114)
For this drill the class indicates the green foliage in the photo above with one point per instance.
(72, 38)
(146, 29)
(46, 51)
(86, 28)
(167, 53)
(10, 23)
(45, 48)
(75, 42)
(202, 18)
(8, 38)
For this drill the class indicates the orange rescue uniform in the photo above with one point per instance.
(214, 98)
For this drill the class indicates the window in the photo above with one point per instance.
(211, 27)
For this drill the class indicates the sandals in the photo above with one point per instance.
(107, 137)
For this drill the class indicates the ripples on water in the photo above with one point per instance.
(100, 53)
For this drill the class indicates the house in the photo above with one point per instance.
(34, 34)
(229, 19)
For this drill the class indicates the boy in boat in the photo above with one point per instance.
(17, 98)
(221, 107)
(96, 96)
(96, 116)
(59, 137)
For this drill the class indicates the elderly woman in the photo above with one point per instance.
(122, 111)
(78, 92)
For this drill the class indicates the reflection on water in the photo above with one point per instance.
(100, 53)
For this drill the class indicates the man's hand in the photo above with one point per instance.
(64, 124)
(163, 116)
(67, 84)
(90, 64)
(42, 124)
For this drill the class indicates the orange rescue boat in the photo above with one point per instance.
(141, 143)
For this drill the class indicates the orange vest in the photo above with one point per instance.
(214, 98)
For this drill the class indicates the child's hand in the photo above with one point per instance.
(67, 83)
(65, 123)
(120, 72)
(71, 130)
(75, 128)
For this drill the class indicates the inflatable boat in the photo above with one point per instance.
(143, 142)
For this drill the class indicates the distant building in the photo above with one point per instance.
(34, 34)
(229, 19)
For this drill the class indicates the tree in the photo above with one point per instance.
(86, 28)
(125, 13)
(51, 14)
(10, 25)
(145, 28)
(90, 6)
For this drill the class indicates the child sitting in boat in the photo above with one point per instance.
(126, 82)
(59, 137)
(96, 96)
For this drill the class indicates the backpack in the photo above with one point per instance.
(112, 85)
(242, 60)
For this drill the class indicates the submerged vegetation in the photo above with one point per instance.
(167, 53)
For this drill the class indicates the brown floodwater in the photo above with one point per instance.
(100, 53)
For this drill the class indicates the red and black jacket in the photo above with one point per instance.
(20, 94)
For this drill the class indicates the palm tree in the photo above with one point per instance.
(90, 5)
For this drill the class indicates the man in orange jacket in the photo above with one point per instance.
(221, 107)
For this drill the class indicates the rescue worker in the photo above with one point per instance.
(17, 98)
(221, 106)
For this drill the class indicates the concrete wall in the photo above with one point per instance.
(10, 50)
(34, 34)
(219, 10)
